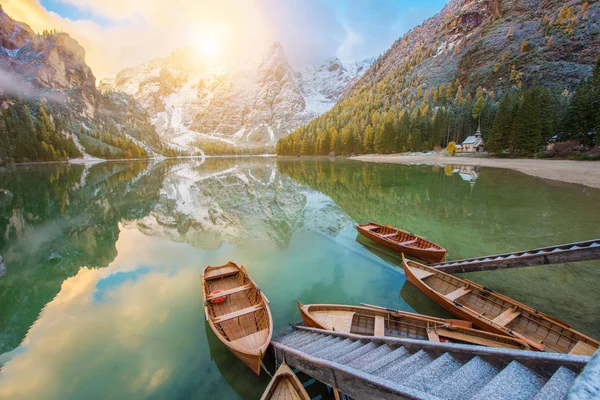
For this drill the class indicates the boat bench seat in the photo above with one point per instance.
(369, 227)
(583, 349)
(239, 313)
(221, 272)
(228, 292)
(420, 273)
(506, 317)
(432, 335)
(379, 326)
(409, 242)
(452, 296)
(389, 235)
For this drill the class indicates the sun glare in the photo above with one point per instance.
(210, 48)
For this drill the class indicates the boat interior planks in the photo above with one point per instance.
(496, 313)
(238, 312)
(403, 242)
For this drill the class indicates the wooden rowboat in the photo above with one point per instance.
(403, 242)
(238, 312)
(285, 386)
(378, 321)
(496, 313)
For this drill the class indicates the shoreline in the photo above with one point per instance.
(92, 161)
(579, 172)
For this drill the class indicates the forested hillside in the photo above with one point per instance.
(50, 108)
(521, 68)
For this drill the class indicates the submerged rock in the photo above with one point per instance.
(2, 267)
(55, 258)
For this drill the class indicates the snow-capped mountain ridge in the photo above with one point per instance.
(249, 103)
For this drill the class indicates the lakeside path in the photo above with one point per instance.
(581, 172)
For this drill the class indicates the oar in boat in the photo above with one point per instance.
(285, 385)
(455, 322)
(368, 321)
(237, 312)
(494, 312)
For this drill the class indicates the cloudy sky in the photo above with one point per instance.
(121, 33)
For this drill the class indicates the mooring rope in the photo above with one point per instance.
(265, 369)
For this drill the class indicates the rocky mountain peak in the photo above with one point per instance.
(275, 65)
(14, 34)
(52, 60)
(249, 103)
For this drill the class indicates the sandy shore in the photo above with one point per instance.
(581, 172)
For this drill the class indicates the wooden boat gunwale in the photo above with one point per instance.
(507, 322)
(433, 324)
(285, 373)
(250, 356)
(432, 253)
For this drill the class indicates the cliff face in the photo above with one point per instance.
(479, 41)
(51, 66)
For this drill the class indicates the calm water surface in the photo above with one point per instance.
(101, 297)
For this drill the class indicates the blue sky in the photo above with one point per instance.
(121, 33)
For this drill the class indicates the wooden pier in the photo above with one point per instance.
(367, 367)
(559, 254)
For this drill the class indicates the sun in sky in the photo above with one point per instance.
(209, 42)
(209, 47)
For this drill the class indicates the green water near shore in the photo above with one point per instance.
(101, 297)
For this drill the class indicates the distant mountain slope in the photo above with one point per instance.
(51, 108)
(426, 85)
(253, 103)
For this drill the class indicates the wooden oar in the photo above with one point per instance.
(455, 322)
(536, 345)
(205, 305)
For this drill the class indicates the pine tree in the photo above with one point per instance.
(501, 134)
(546, 114)
(595, 100)
(528, 129)
(368, 140)
(347, 140)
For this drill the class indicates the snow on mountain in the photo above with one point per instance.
(324, 83)
(250, 103)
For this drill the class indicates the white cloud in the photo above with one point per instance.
(351, 40)
(133, 31)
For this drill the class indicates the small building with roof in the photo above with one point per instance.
(472, 144)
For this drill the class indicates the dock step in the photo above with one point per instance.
(515, 382)
(395, 367)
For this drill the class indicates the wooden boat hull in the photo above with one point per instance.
(431, 254)
(377, 321)
(497, 313)
(285, 385)
(242, 322)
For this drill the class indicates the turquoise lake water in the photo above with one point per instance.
(101, 295)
